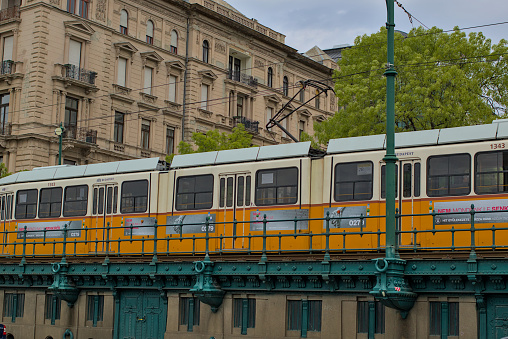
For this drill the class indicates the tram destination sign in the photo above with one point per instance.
(495, 211)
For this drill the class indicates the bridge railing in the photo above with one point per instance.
(312, 236)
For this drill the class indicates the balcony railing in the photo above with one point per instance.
(7, 67)
(81, 134)
(5, 129)
(243, 78)
(9, 13)
(80, 74)
(250, 126)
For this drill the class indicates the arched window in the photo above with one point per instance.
(124, 18)
(174, 42)
(269, 81)
(206, 50)
(149, 32)
(285, 86)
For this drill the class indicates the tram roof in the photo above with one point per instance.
(497, 130)
(280, 151)
(69, 171)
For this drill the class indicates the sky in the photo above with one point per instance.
(327, 23)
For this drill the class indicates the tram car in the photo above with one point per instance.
(235, 197)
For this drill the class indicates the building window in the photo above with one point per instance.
(4, 113)
(277, 186)
(124, 21)
(50, 202)
(78, 7)
(52, 308)
(235, 66)
(285, 86)
(14, 305)
(239, 106)
(119, 127)
(244, 313)
(134, 197)
(269, 114)
(189, 312)
(95, 309)
(353, 181)
(122, 72)
(173, 48)
(302, 95)
(448, 175)
(296, 316)
(301, 129)
(8, 45)
(172, 88)
(145, 133)
(75, 52)
(71, 117)
(491, 172)
(148, 80)
(269, 80)
(204, 96)
(366, 309)
(441, 312)
(194, 192)
(170, 140)
(26, 204)
(206, 50)
(149, 32)
(317, 102)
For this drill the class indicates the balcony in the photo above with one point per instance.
(9, 13)
(80, 74)
(80, 134)
(243, 78)
(5, 129)
(250, 126)
(7, 67)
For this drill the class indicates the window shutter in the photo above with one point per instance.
(8, 45)
(122, 67)
(75, 53)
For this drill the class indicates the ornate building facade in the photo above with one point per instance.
(131, 79)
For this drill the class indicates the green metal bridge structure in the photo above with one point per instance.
(454, 269)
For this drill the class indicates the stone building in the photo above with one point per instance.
(131, 79)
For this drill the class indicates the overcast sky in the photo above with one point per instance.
(326, 23)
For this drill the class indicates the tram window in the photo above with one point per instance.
(239, 194)
(449, 175)
(277, 186)
(406, 180)
(50, 202)
(109, 200)
(2, 209)
(247, 191)
(94, 208)
(9, 206)
(115, 198)
(194, 192)
(75, 201)
(417, 179)
(491, 172)
(353, 181)
(134, 196)
(383, 181)
(100, 208)
(26, 204)
(222, 192)
(229, 192)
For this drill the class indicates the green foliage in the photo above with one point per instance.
(444, 80)
(3, 170)
(214, 140)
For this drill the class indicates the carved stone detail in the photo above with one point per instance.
(100, 12)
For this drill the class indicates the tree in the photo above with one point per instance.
(214, 140)
(3, 170)
(444, 80)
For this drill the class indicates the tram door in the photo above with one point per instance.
(409, 198)
(6, 201)
(234, 203)
(105, 205)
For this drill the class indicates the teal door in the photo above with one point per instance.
(497, 314)
(142, 315)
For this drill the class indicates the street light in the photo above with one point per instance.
(59, 132)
